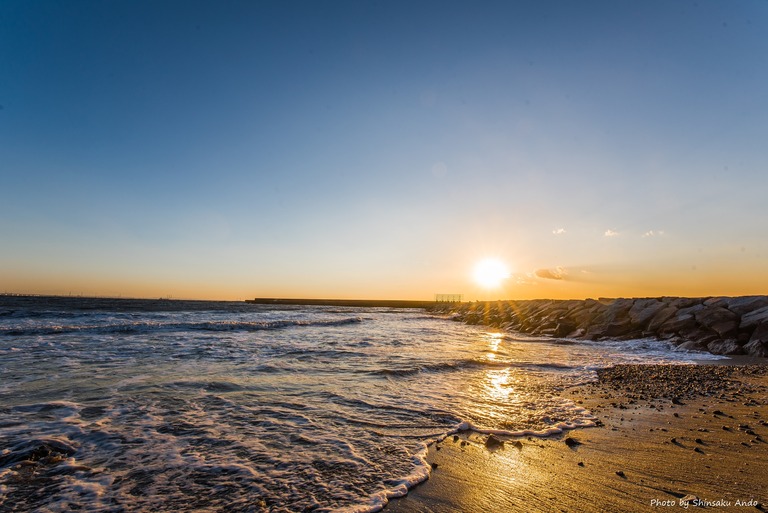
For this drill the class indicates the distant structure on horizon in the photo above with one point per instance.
(448, 298)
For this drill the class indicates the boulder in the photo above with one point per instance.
(563, 328)
(595, 332)
(683, 302)
(757, 348)
(680, 322)
(693, 345)
(581, 316)
(720, 320)
(717, 301)
(725, 347)
(661, 317)
(754, 317)
(643, 310)
(744, 305)
(619, 328)
(691, 310)
(761, 333)
(699, 334)
(621, 306)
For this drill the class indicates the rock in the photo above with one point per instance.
(581, 315)
(683, 302)
(725, 347)
(577, 333)
(680, 321)
(616, 328)
(564, 328)
(595, 332)
(699, 334)
(754, 318)
(719, 324)
(693, 345)
(745, 304)
(643, 310)
(661, 317)
(518, 444)
(720, 320)
(434, 466)
(572, 442)
(760, 333)
(692, 309)
(620, 473)
(717, 301)
(618, 309)
(494, 443)
(756, 348)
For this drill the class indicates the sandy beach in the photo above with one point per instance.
(668, 437)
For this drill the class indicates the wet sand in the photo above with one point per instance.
(668, 436)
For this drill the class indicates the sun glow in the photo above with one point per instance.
(490, 272)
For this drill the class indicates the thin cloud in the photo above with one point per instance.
(558, 273)
(653, 233)
(558, 231)
(610, 233)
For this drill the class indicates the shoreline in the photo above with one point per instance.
(666, 436)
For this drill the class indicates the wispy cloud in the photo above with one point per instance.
(558, 231)
(610, 233)
(558, 273)
(653, 233)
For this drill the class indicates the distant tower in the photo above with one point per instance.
(448, 298)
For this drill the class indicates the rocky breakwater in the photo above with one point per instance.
(720, 325)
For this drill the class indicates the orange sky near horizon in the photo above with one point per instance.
(578, 282)
(380, 150)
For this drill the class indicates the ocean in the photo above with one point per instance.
(110, 405)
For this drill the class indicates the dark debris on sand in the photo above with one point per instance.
(676, 382)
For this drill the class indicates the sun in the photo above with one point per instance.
(490, 272)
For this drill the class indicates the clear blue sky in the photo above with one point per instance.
(379, 149)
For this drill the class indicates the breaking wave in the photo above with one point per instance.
(148, 327)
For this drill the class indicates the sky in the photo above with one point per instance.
(230, 150)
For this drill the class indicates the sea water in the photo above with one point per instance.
(154, 406)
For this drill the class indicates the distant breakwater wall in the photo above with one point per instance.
(361, 303)
(720, 325)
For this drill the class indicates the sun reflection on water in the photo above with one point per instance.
(497, 385)
(494, 339)
(508, 394)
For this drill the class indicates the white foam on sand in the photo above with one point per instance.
(377, 501)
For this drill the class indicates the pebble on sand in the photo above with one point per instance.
(493, 443)
(572, 442)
